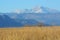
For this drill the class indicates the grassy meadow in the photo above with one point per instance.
(30, 33)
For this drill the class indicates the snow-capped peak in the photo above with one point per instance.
(36, 9)
(18, 11)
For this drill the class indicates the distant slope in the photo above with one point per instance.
(47, 18)
(6, 21)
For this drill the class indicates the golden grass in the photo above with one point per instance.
(30, 33)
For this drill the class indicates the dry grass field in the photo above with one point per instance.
(30, 33)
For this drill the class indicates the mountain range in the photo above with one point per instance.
(31, 17)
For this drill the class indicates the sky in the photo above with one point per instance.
(11, 5)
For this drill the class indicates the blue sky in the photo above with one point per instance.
(10, 5)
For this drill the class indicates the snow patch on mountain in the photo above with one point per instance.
(37, 9)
